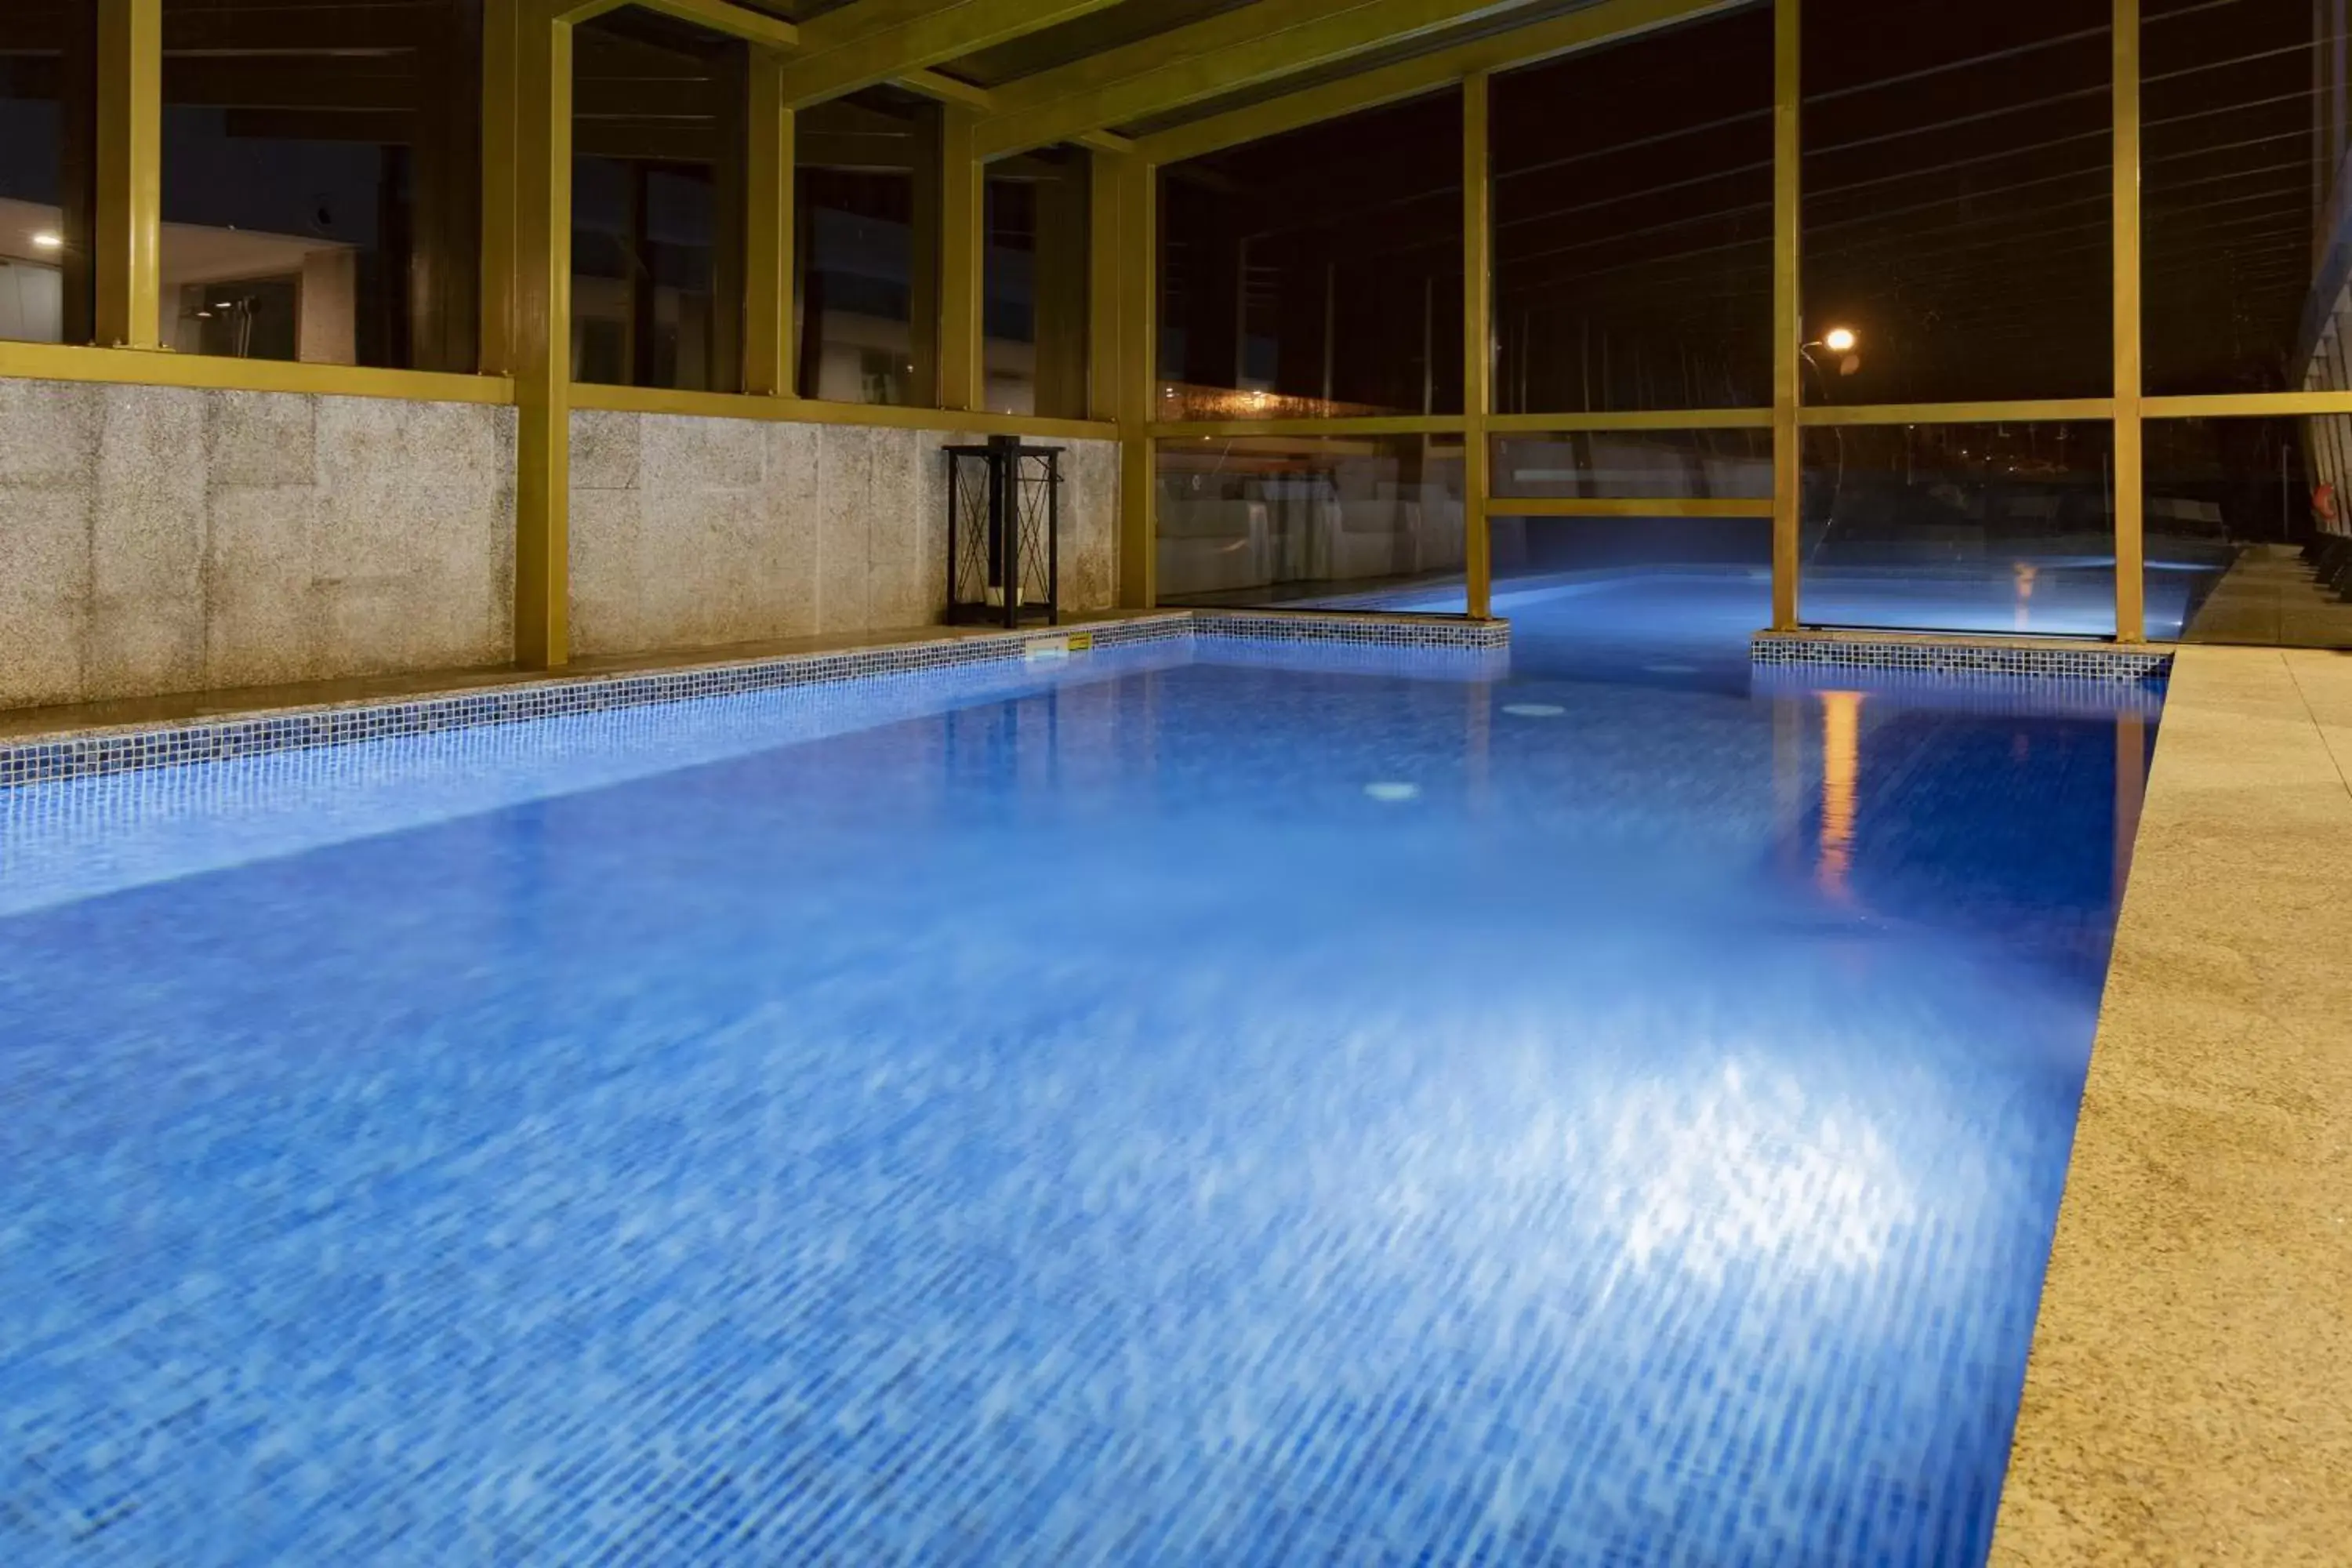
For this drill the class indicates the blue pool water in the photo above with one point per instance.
(1065, 1114)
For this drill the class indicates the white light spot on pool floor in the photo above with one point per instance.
(1393, 792)
(1533, 709)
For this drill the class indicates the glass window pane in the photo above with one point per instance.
(1316, 521)
(1633, 224)
(866, 217)
(321, 180)
(2246, 534)
(1962, 528)
(1317, 273)
(2231, 174)
(659, 154)
(1036, 283)
(1719, 465)
(1957, 200)
(47, 143)
(1673, 595)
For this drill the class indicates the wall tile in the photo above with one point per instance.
(605, 452)
(262, 607)
(793, 459)
(682, 453)
(44, 593)
(48, 433)
(607, 586)
(845, 504)
(261, 438)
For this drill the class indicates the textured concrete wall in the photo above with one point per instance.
(156, 540)
(696, 534)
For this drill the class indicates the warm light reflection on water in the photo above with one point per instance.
(1841, 773)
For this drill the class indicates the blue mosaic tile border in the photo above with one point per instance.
(98, 753)
(1380, 631)
(1929, 656)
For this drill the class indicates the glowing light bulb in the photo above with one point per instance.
(1838, 340)
(48, 242)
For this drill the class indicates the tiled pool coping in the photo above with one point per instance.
(124, 748)
(1931, 654)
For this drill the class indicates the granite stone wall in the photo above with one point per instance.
(159, 539)
(155, 540)
(692, 533)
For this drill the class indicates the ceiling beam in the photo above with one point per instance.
(887, 40)
(732, 21)
(1223, 54)
(1604, 23)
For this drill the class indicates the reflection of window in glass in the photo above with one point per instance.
(2235, 511)
(658, 204)
(321, 180)
(1982, 528)
(867, 241)
(1707, 465)
(48, 145)
(1036, 284)
(1957, 198)
(1308, 521)
(2232, 174)
(1633, 224)
(1317, 272)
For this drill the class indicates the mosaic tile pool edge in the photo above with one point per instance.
(1930, 656)
(91, 753)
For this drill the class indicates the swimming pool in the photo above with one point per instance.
(1231, 1103)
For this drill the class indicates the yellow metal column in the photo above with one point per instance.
(2131, 624)
(1107, 175)
(1477, 344)
(542, 336)
(501, 59)
(963, 254)
(768, 236)
(129, 240)
(1788, 316)
(1138, 380)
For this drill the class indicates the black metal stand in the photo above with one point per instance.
(1005, 533)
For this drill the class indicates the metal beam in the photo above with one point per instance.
(948, 89)
(542, 335)
(733, 21)
(1788, 316)
(1241, 48)
(1631, 506)
(1137, 182)
(130, 173)
(2131, 620)
(1477, 345)
(962, 263)
(770, 180)
(1604, 23)
(885, 40)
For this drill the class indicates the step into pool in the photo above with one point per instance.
(1218, 1102)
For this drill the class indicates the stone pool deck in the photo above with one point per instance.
(2189, 1398)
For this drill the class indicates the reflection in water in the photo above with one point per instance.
(2024, 572)
(2131, 784)
(1746, 1172)
(1841, 768)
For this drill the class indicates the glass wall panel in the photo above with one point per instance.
(2232, 174)
(2247, 541)
(1036, 283)
(660, 147)
(1964, 528)
(1317, 273)
(321, 180)
(1957, 203)
(1715, 465)
(47, 179)
(867, 220)
(1673, 597)
(1313, 522)
(1633, 224)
